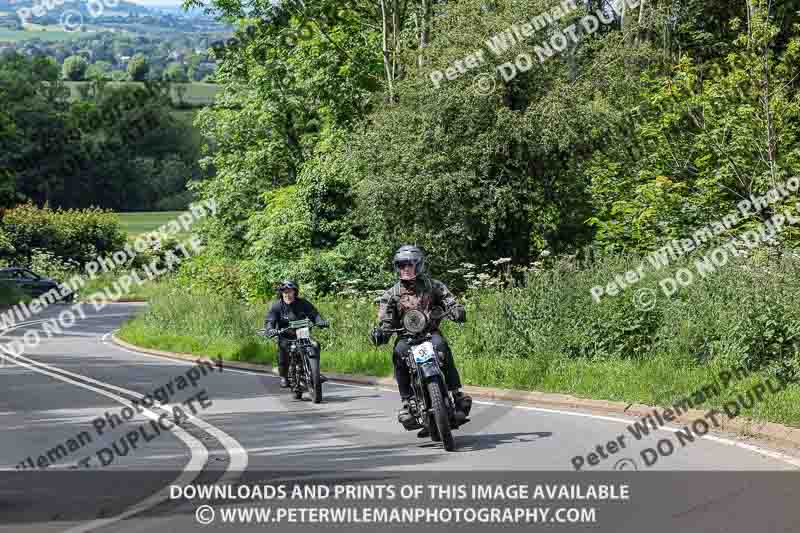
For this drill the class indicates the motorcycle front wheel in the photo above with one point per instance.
(316, 384)
(441, 417)
(296, 388)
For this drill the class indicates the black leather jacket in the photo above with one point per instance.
(281, 313)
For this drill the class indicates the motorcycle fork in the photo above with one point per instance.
(295, 369)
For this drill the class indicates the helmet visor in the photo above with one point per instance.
(407, 267)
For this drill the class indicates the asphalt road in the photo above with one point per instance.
(68, 391)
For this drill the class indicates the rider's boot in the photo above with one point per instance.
(463, 405)
(284, 383)
(405, 418)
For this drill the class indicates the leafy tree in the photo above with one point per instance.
(100, 70)
(176, 72)
(74, 68)
(138, 68)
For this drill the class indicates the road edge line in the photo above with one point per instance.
(766, 431)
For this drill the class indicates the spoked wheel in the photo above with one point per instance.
(298, 391)
(440, 416)
(316, 384)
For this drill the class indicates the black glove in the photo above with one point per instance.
(378, 337)
(323, 324)
(459, 314)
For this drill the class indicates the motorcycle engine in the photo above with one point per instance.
(415, 321)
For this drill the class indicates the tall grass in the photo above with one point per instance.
(10, 295)
(548, 334)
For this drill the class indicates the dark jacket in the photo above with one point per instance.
(280, 314)
(423, 294)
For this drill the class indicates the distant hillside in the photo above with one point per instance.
(81, 15)
(123, 7)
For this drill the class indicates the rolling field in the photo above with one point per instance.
(197, 93)
(137, 223)
(48, 34)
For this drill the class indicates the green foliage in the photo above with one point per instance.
(176, 72)
(545, 333)
(209, 275)
(11, 295)
(74, 236)
(119, 147)
(138, 68)
(74, 68)
(710, 135)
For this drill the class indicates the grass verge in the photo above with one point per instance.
(547, 335)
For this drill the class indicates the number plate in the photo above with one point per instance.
(303, 333)
(423, 352)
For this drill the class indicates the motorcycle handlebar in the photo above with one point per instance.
(263, 332)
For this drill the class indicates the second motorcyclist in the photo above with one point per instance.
(288, 307)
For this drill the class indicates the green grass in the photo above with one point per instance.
(744, 316)
(197, 93)
(50, 34)
(105, 281)
(137, 223)
(10, 295)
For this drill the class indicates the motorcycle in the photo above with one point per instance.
(304, 372)
(432, 405)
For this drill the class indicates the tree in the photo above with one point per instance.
(100, 70)
(138, 68)
(175, 72)
(74, 68)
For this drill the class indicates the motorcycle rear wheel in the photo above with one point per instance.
(441, 417)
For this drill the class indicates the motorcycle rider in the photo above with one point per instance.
(416, 290)
(288, 307)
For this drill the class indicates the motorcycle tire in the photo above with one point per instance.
(434, 431)
(316, 384)
(441, 417)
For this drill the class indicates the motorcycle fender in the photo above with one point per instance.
(429, 371)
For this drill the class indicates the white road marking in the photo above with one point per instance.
(667, 428)
(198, 452)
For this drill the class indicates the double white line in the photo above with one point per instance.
(198, 452)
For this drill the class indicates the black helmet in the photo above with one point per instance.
(288, 284)
(409, 254)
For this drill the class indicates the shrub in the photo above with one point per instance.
(75, 235)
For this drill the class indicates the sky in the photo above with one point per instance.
(157, 3)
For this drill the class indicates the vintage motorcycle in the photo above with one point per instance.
(432, 405)
(304, 373)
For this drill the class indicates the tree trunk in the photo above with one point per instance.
(386, 62)
(640, 31)
(424, 34)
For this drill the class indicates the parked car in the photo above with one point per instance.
(30, 283)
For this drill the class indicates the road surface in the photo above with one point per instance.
(61, 398)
